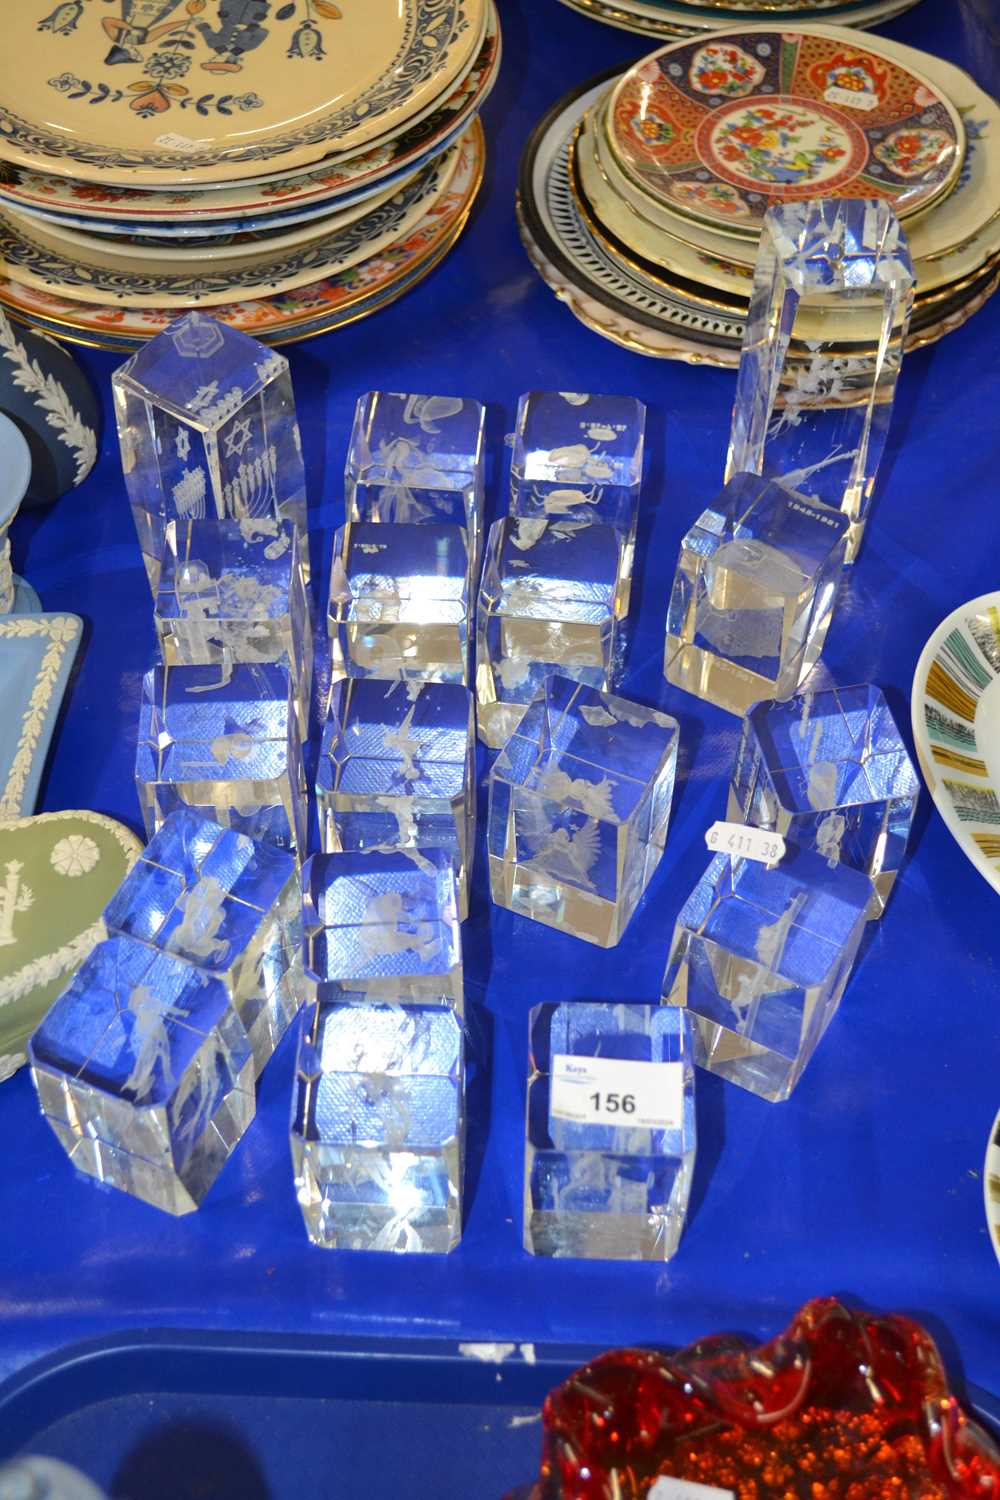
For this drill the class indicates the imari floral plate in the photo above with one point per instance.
(955, 707)
(162, 92)
(36, 656)
(57, 873)
(720, 128)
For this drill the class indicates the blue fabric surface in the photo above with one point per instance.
(868, 1181)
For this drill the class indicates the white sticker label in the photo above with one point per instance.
(860, 100)
(745, 842)
(610, 1091)
(687, 1489)
(171, 141)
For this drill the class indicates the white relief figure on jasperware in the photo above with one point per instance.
(427, 411)
(203, 913)
(15, 898)
(189, 494)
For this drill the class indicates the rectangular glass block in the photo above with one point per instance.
(760, 957)
(225, 904)
(399, 601)
(579, 805)
(601, 1187)
(579, 457)
(829, 771)
(753, 594)
(207, 428)
(550, 601)
(223, 740)
(145, 1073)
(383, 925)
(233, 589)
(808, 411)
(378, 1127)
(417, 458)
(397, 769)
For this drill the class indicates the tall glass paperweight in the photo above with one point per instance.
(399, 601)
(397, 769)
(753, 594)
(579, 805)
(610, 1132)
(417, 458)
(227, 905)
(760, 957)
(383, 926)
(145, 1073)
(829, 771)
(807, 411)
(378, 1127)
(207, 427)
(223, 740)
(551, 600)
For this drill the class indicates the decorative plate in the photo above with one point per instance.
(36, 656)
(991, 1184)
(320, 190)
(57, 873)
(677, 20)
(31, 262)
(955, 708)
(164, 92)
(325, 303)
(722, 128)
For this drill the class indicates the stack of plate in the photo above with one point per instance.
(641, 196)
(290, 165)
(676, 18)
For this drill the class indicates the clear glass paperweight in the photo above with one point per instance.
(383, 925)
(760, 957)
(378, 1127)
(809, 410)
(550, 601)
(234, 589)
(578, 457)
(399, 601)
(207, 428)
(753, 594)
(145, 1073)
(417, 458)
(397, 769)
(579, 806)
(223, 740)
(829, 771)
(225, 904)
(610, 1131)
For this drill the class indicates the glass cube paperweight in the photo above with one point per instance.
(383, 925)
(234, 589)
(378, 1127)
(753, 594)
(829, 312)
(145, 1073)
(225, 904)
(609, 1131)
(223, 740)
(829, 771)
(760, 957)
(399, 601)
(550, 601)
(207, 428)
(397, 769)
(579, 805)
(416, 458)
(579, 458)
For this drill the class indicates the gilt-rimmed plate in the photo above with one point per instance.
(991, 1184)
(955, 710)
(721, 127)
(163, 92)
(678, 20)
(58, 871)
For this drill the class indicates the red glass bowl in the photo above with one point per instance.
(841, 1406)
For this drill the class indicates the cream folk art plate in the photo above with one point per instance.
(162, 92)
(57, 873)
(955, 707)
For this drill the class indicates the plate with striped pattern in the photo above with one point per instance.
(955, 707)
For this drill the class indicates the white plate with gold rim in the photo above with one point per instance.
(675, 20)
(162, 92)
